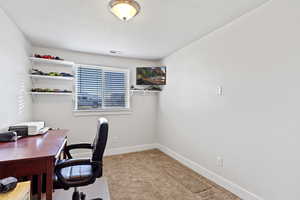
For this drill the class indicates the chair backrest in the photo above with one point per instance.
(100, 140)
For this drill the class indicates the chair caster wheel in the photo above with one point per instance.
(82, 196)
(76, 196)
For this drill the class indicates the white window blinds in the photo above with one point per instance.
(101, 88)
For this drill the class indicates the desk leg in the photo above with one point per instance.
(49, 177)
(39, 186)
(30, 178)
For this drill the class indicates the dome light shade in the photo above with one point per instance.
(124, 9)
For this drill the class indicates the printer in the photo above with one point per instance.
(29, 128)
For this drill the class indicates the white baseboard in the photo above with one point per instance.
(225, 183)
(118, 151)
(122, 150)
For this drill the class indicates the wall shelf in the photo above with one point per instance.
(52, 93)
(54, 62)
(51, 77)
(40, 62)
(143, 92)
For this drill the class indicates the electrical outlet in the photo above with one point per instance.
(220, 162)
(220, 91)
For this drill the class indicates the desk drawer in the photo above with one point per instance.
(23, 168)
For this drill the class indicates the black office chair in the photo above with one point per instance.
(81, 172)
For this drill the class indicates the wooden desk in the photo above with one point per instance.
(31, 156)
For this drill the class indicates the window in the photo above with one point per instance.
(101, 88)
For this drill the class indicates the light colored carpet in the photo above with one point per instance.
(152, 175)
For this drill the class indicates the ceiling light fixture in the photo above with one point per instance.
(124, 9)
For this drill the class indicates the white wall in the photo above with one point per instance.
(135, 128)
(255, 125)
(15, 103)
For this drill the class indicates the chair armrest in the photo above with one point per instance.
(69, 163)
(70, 147)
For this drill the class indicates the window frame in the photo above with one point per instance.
(103, 110)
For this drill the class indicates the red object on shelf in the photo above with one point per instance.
(49, 57)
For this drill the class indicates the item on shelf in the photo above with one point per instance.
(53, 74)
(49, 57)
(134, 88)
(41, 73)
(65, 74)
(150, 88)
(50, 90)
(37, 72)
(137, 89)
(154, 88)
